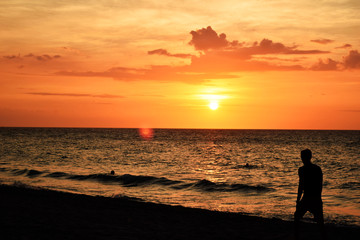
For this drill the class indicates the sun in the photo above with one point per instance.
(213, 100)
(213, 105)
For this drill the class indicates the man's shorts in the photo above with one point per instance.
(314, 206)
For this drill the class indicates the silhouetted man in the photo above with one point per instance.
(309, 192)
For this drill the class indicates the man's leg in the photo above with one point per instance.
(299, 213)
(319, 218)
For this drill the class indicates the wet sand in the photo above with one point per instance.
(43, 214)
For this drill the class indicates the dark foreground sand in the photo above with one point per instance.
(42, 214)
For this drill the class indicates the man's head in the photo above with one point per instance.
(306, 156)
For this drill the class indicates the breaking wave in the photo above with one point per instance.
(128, 180)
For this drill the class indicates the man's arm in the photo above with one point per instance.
(301, 186)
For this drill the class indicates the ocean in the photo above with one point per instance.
(254, 172)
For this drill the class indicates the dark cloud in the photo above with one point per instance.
(220, 59)
(267, 46)
(322, 41)
(166, 53)
(30, 55)
(329, 65)
(207, 38)
(352, 60)
(12, 57)
(75, 95)
(344, 46)
(43, 58)
(221, 55)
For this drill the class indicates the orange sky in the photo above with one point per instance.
(271, 64)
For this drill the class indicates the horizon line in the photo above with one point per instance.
(179, 128)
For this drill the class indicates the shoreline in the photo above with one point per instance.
(28, 213)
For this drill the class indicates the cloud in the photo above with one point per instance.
(352, 60)
(322, 41)
(329, 65)
(71, 50)
(224, 62)
(202, 69)
(120, 73)
(43, 58)
(279, 59)
(220, 58)
(207, 38)
(218, 49)
(166, 53)
(344, 46)
(12, 57)
(75, 95)
(267, 46)
(221, 55)
(154, 73)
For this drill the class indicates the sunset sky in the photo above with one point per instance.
(254, 64)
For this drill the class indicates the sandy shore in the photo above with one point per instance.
(43, 214)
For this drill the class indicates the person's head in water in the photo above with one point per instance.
(112, 172)
(306, 156)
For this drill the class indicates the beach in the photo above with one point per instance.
(33, 213)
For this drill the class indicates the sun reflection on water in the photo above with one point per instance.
(146, 133)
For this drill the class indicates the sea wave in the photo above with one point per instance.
(225, 187)
(128, 180)
(247, 166)
(351, 185)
